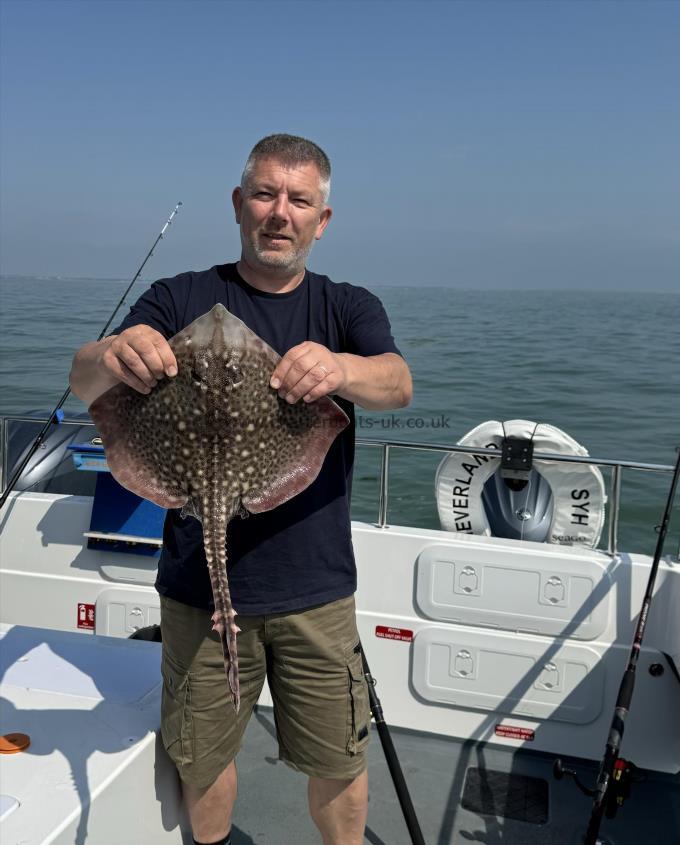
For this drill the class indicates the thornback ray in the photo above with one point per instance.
(215, 438)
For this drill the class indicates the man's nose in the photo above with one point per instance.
(280, 208)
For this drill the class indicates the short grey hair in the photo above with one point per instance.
(291, 150)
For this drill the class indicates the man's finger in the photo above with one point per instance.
(299, 369)
(297, 381)
(125, 374)
(149, 353)
(167, 356)
(311, 380)
(127, 355)
(283, 367)
(326, 386)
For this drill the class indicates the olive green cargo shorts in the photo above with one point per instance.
(312, 662)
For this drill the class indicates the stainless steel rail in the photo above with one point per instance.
(613, 538)
(614, 491)
(386, 446)
(546, 456)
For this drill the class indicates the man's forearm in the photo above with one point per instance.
(377, 383)
(88, 379)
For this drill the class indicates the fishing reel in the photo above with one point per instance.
(618, 791)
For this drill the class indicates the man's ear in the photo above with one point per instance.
(324, 218)
(237, 200)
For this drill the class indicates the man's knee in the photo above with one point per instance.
(339, 806)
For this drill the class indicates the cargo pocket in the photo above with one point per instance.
(359, 713)
(176, 714)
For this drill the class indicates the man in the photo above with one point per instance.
(292, 573)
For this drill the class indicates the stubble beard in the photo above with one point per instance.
(290, 261)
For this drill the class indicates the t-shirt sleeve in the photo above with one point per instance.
(368, 326)
(160, 307)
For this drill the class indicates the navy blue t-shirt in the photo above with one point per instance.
(299, 554)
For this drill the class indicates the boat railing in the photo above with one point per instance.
(617, 467)
(387, 446)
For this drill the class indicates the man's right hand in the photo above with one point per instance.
(139, 356)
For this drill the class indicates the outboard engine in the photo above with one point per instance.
(520, 512)
(516, 496)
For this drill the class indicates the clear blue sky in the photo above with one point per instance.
(491, 144)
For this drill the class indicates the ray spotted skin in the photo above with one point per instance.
(214, 438)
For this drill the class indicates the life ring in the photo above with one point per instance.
(470, 495)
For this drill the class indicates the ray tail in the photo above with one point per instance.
(216, 514)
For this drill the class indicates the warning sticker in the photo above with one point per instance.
(86, 616)
(515, 732)
(403, 634)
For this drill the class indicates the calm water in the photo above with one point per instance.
(605, 367)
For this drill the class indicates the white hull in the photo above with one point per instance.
(517, 646)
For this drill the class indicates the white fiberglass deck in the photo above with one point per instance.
(91, 709)
(96, 773)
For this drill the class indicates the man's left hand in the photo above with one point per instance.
(307, 372)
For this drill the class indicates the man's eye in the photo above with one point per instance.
(301, 202)
(263, 194)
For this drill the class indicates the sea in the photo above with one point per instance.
(604, 366)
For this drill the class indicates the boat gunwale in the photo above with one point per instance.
(386, 446)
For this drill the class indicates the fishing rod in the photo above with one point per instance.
(57, 414)
(393, 765)
(613, 780)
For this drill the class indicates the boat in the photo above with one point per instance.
(493, 656)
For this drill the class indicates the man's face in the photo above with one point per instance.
(281, 213)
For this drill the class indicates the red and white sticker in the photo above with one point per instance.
(86, 616)
(403, 634)
(515, 732)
